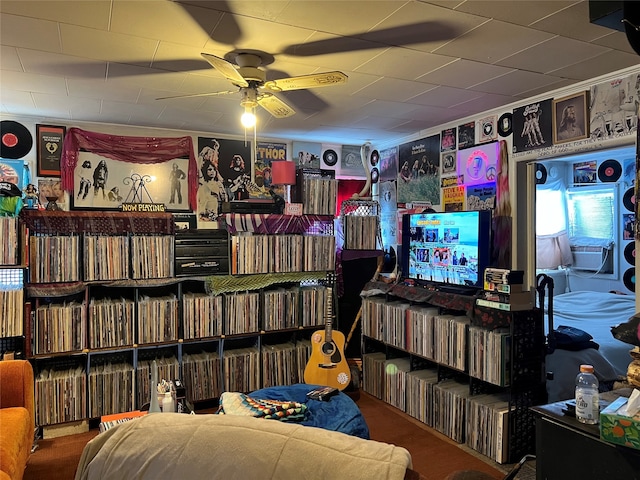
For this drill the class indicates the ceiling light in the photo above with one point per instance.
(248, 118)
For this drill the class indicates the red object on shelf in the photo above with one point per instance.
(283, 172)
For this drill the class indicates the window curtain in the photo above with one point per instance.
(146, 150)
(552, 239)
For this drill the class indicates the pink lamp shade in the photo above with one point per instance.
(283, 172)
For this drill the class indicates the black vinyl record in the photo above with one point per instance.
(630, 253)
(609, 171)
(629, 199)
(16, 139)
(541, 174)
(505, 124)
(629, 279)
(374, 158)
(375, 175)
(330, 157)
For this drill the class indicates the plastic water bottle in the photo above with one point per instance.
(587, 399)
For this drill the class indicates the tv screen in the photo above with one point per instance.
(446, 248)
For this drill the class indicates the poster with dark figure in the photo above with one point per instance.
(532, 126)
(466, 135)
(224, 174)
(419, 171)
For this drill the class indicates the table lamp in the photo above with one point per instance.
(283, 172)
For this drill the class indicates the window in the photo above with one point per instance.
(591, 212)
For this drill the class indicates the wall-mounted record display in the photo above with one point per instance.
(541, 174)
(329, 157)
(374, 158)
(609, 171)
(505, 124)
(16, 140)
(630, 253)
(629, 279)
(629, 199)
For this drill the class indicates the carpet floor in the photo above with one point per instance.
(434, 455)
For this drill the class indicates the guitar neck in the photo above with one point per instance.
(328, 318)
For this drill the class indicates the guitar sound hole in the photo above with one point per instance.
(328, 348)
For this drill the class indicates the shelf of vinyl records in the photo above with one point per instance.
(318, 194)
(236, 342)
(469, 381)
(282, 253)
(12, 269)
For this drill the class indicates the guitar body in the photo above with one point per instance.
(327, 365)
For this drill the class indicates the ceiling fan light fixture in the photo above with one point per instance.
(248, 118)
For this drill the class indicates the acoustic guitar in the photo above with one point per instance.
(327, 365)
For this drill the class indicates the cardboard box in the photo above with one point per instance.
(618, 428)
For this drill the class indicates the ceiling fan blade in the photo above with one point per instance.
(198, 95)
(227, 69)
(314, 80)
(275, 106)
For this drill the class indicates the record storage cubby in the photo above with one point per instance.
(422, 366)
(118, 326)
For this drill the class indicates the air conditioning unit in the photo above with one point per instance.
(592, 258)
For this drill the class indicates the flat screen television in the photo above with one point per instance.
(446, 248)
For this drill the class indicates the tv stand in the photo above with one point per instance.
(458, 289)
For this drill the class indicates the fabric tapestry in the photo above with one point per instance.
(234, 403)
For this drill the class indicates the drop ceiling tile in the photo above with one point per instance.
(445, 97)
(427, 27)
(520, 12)
(93, 14)
(597, 66)
(378, 122)
(493, 41)
(171, 22)
(108, 90)
(14, 99)
(345, 18)
(393, 90)
(19, 31)
(426, 113)
(516, 82)
(82, 106)
(404, 63)
(566, 51)
(617, 41)
(488, 101)
(546, 90)
(386, 108)
(564, 23)
(10, 59)
(29, 82)
(55, 64)
(119, 73)
(102, 45)
(464, 73)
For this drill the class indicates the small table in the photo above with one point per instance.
(566, 448)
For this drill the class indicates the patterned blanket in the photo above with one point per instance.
(234, 403)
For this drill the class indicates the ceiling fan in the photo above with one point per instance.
(243, 69)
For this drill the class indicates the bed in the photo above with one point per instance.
(595, 313)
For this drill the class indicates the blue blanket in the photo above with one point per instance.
(339, 413)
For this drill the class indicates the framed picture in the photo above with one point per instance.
(570, 118)
(105, 184)
(49, 142)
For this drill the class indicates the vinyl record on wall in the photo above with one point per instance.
(609, 171)
(505, 125)
(630, 253)
(629, 199)
(374, 158)
(541, 174)
(329, 157)
(16, 140)
(629, 279)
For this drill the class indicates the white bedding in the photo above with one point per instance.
(596, 313)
